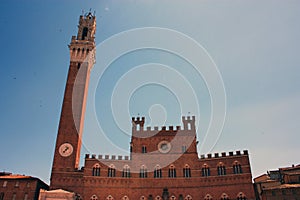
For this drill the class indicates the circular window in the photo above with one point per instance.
(164, 146)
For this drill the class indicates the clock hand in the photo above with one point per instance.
(66, 149)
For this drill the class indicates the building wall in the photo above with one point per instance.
(21, 188)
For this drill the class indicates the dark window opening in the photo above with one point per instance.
(205, 171)
(144, 149)
(84, 32)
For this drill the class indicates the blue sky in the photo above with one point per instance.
(254, 44)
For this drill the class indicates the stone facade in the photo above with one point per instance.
(163, 161)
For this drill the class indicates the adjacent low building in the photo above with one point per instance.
(15, 187)
(283, 183)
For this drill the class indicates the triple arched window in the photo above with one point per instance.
(111, 171)
(224, 196)
(237, 168)
(157, 172)
(221, 169)
(208, 197)
(143, 172)
(96, 170)
(172, 171)
(126, 171)
(187, 171)
(205, 170)
(241, 196)
(94, 197)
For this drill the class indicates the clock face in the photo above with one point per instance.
(164, 146)
(65, 149)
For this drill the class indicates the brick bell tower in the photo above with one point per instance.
(68, 141)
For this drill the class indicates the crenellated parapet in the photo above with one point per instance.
(82, 46)
(106, 157)
(138, 127)
(224, 154)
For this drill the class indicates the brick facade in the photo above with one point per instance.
(163, 162)
(14, 187)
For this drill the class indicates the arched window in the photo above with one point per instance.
(205, 170)
(143, 172)
(142, 198)
(224, 196)
(144, 149)
(94, 197)
(78, 197)
(96, 170)
(111, 171)
(172, 171)
(157, 172)
(241, 196)
(150, 197)
(109, 197)
(187, 171)
(221, 169)
(180, 197)
(125, 198)
(172, 197)
(84, 33)
(126, 171)
(208, 197)
(188, 197)
(237, 168)
(158, 198)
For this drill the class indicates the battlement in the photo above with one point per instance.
(224, 154)
(138, 126)
(106, 157)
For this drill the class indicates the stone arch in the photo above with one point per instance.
(241, 196)
(188, 197)
(109, 197)
(94, 197)
(125, 197)
(142, 198)
(208, 197)
(158, 197)
(224, 196)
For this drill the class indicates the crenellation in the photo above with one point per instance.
(223, 154)
(138, 126)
